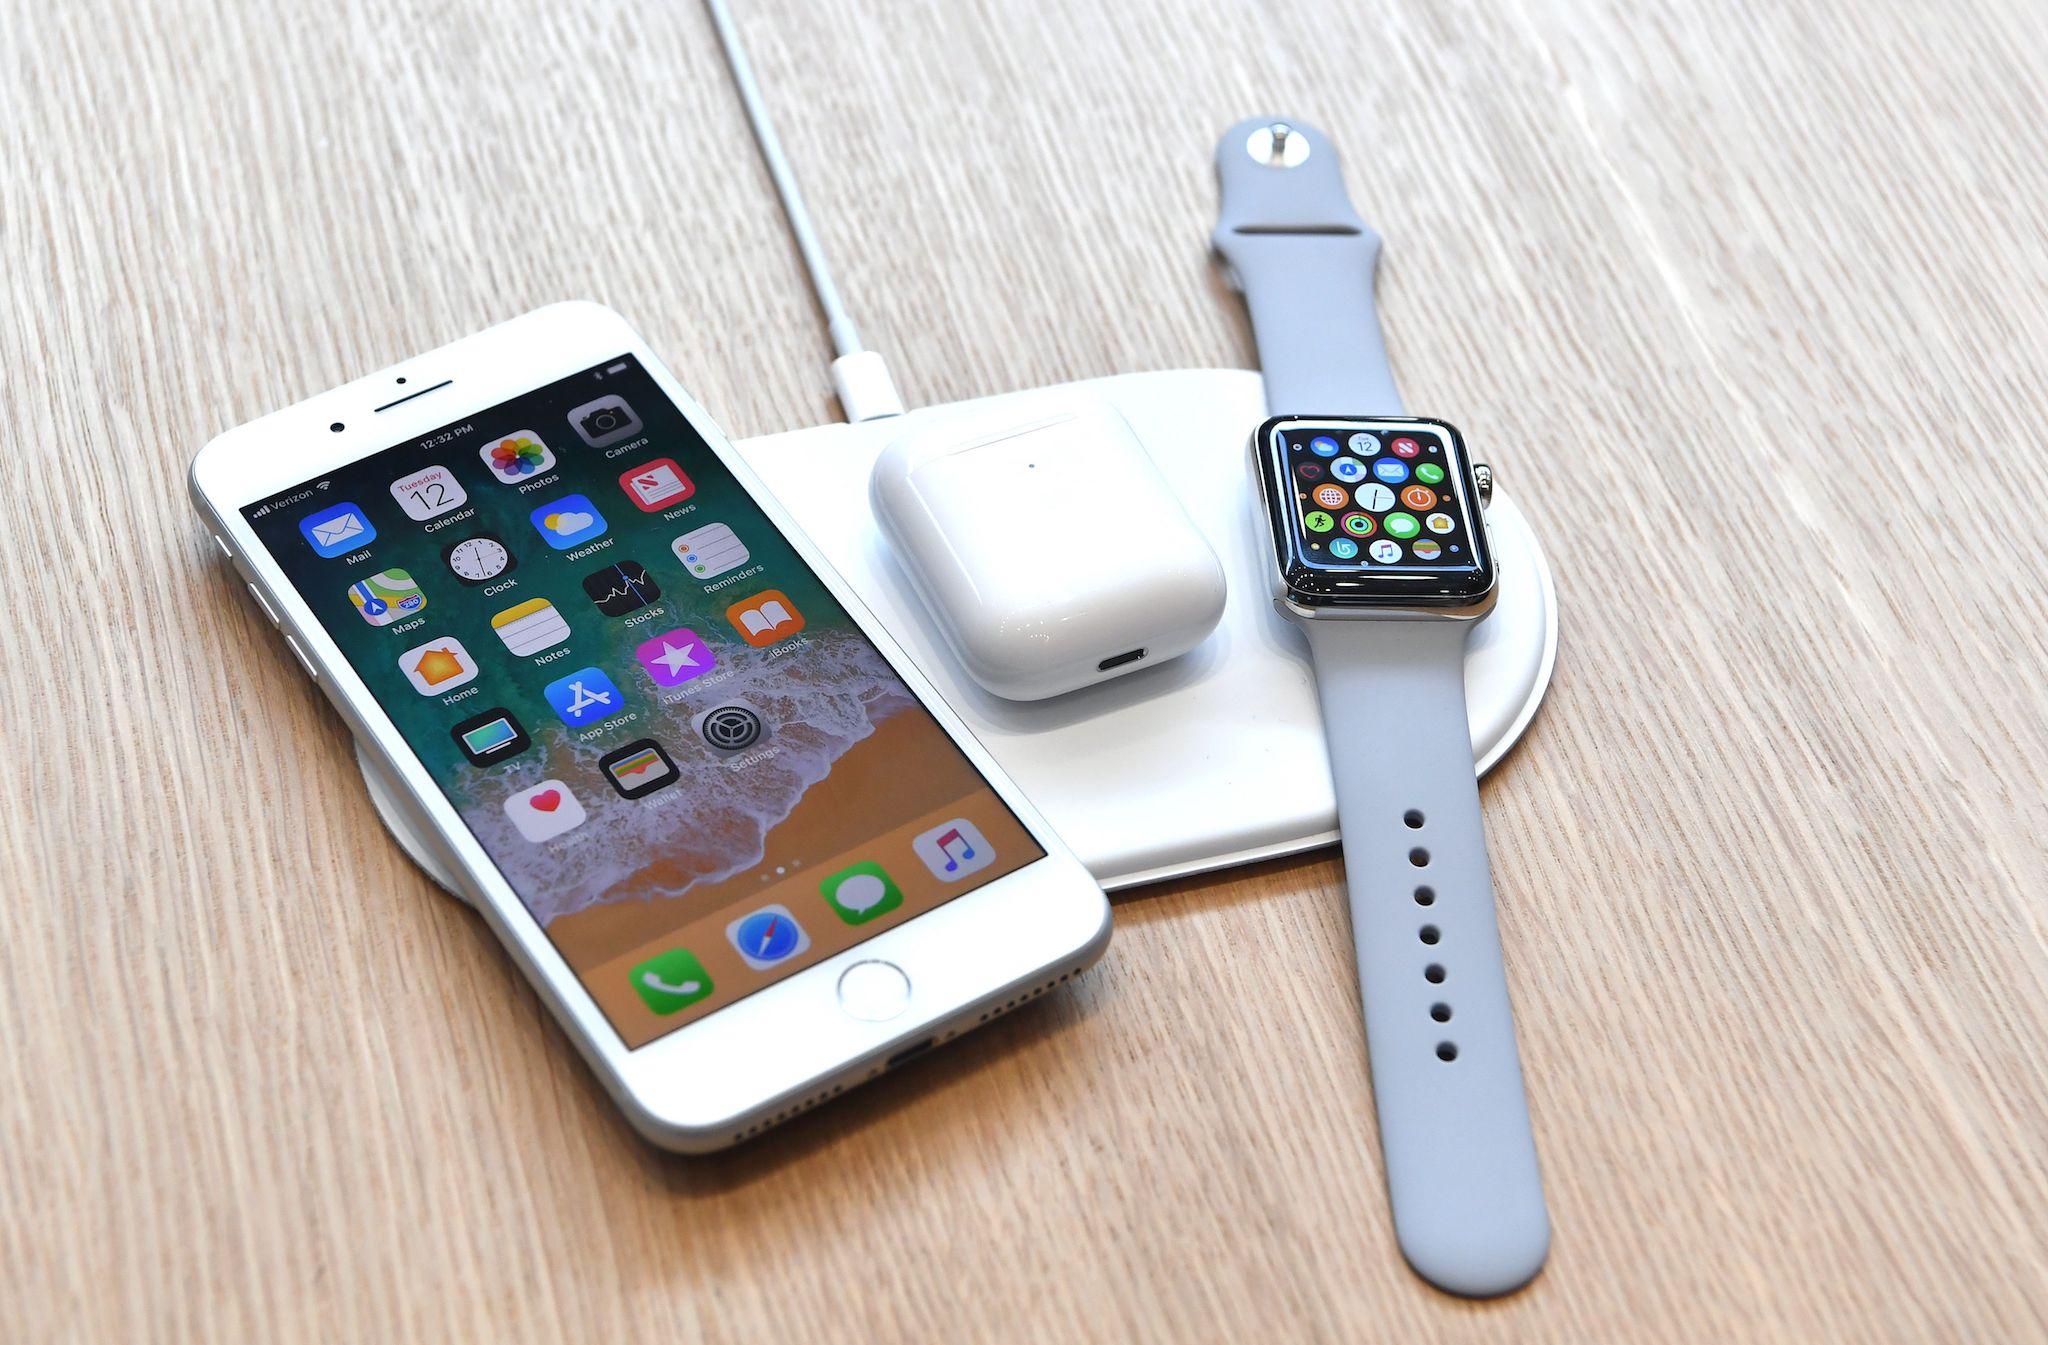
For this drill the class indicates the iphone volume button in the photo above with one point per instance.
(264, 603)
(304, 662)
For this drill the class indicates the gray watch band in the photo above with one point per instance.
(1304, 261)
(1447, 1080)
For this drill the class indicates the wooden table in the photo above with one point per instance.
(1745, 300)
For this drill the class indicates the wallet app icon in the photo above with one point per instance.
(337, 530)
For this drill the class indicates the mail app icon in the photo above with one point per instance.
(337, 530)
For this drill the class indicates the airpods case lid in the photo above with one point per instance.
(1049, 550)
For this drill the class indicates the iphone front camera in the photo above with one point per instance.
(337, 427)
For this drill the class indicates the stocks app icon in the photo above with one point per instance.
(622, 588)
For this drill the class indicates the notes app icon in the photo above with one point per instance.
(530, 626)
(954, 849)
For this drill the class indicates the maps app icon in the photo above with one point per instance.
(387, 597)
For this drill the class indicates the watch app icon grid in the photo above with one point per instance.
(1391, 502)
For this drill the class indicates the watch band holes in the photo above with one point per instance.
(1430, 934)
(1419, 857)
(1440, 1012)
(1433, 973)
(1413, 817)
(1447, 1050)
(1425, 895)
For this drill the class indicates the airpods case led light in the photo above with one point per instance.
(1049, 550)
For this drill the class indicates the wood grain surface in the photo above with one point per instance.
(1745, 300)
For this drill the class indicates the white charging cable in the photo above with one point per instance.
(860, 376)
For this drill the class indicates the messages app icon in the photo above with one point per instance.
(337, 530)
(860, 892)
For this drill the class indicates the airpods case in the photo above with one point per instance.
(1049, 550)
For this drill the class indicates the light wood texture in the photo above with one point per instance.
(1746, 301)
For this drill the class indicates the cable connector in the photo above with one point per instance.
(866, 391)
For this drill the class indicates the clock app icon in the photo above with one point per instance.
(478, 559)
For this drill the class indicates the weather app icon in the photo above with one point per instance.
(569, 521)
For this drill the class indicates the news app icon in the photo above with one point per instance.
(954, 849)
(657, 485)
(765, 618)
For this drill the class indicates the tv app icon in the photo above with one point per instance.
(954, 849)
(638, 769)
(491, 737)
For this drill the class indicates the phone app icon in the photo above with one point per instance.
(1323, 446)
(1429, 474)
(530, 626)
(671, 981)
(584, 697)
(1358, 525)
(1331, 496)
(569, 521)
(437, 666)
(1419, 498)
(657, 485)
(337, 530)
(731, 728)
(710, 551)
(765, 618)
(388, 596)
(1348, 469)
(768, 936)
(952, 850)
(638, 769)
(604, 422)
(428, 493)
(545, 811)
(860, 892)
(491, 737)
(621, 588)
(517, 457)
(1393, 471)
(479, 559)
(675, 658)
(1402, 526)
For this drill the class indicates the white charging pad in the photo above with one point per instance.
(1212, 759)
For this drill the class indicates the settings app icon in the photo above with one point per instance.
(731, 728)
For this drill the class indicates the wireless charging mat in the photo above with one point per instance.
(1211, 759)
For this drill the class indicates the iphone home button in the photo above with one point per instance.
(874, 991)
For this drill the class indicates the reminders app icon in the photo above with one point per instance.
(337, 530)
(710, 551)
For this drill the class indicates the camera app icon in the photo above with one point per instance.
(604, 422)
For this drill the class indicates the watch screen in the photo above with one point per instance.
(1374, 508)
(685, 758)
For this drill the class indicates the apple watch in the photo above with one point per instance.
(1381, 557)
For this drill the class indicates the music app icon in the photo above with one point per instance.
(954, 849)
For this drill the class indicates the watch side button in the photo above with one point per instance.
(304, 662)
